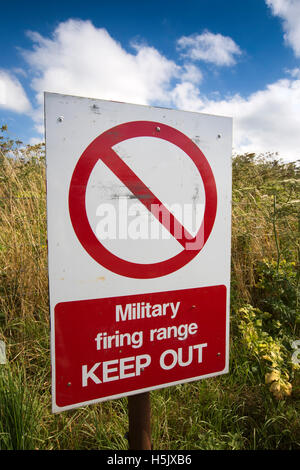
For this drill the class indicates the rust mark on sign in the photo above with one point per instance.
(196, 194)
(130, 196)
(95, 108)
(196, 139)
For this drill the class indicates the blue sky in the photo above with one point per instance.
(234, 58)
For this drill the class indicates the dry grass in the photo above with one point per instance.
(218, 413)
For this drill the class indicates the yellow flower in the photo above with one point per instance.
(272, 376)
(281, 390)
(275, 389)
(287, 389)
(267, 358)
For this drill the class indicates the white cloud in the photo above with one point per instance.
(186, 96)
(295, 73)
(265, 121)
(81, 59)
(12, 94)
(35, 140)
(215, 48)
(191, 74)
(289, 12)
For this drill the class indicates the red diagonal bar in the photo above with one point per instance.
(145, 196)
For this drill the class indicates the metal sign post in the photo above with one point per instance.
(139, 413)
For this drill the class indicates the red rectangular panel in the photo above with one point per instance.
(113, 346)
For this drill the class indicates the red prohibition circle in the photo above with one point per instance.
(101, 148)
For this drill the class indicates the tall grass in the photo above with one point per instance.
(20, 410)
(235, 411)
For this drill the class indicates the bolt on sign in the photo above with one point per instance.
(139, 223)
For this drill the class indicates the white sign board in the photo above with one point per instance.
(139, 222)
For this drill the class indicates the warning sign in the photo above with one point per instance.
(102, 148)
(138, 203)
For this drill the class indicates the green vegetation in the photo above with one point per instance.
(255, 406)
